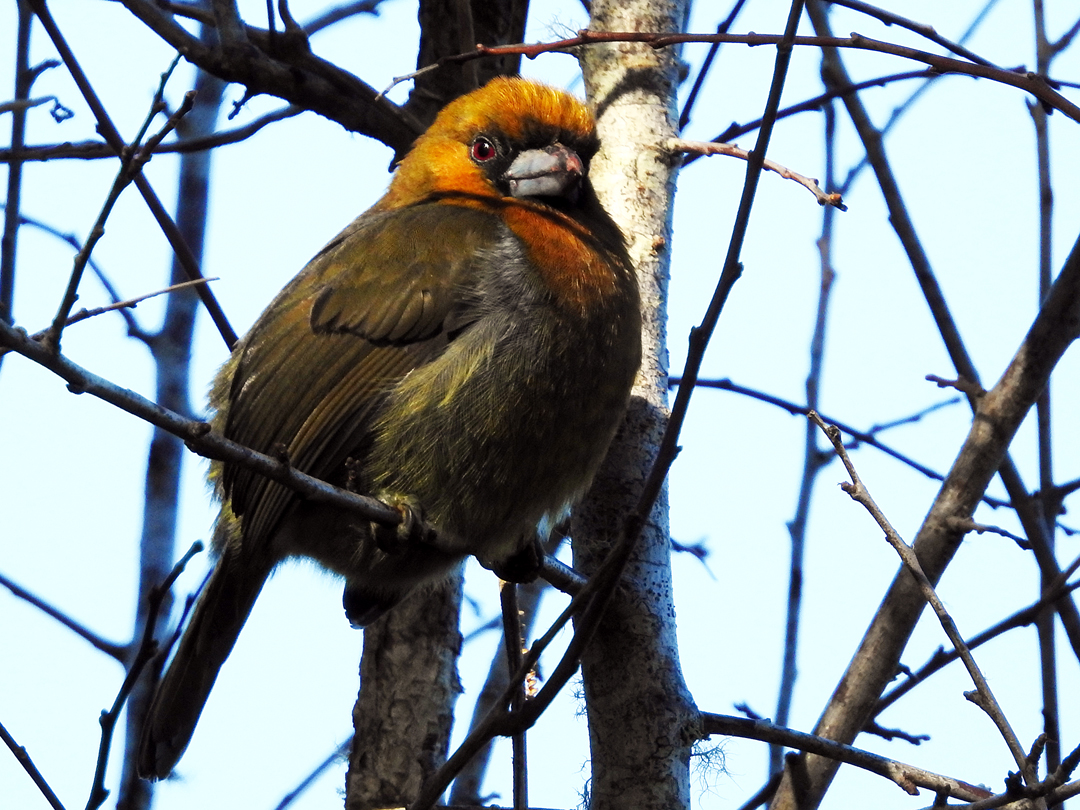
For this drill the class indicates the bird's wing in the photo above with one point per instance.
(383, 298)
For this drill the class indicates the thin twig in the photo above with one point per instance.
(466, 789)
(146, 651)
(940, 659)
(707, 63)
(130, 303)
(1045, 624)
(197, 435)
(1052, 790)
(1066, 38)
(765, 794)
(1061, 491)
(24, 104)
(712, 148)
(1030, 83)
(835, 75)
(513, 643)
(95, 150)
(24, 78)
(31, 769)
(895, 734)
(339, 13)
(879, 427)
(112, 136)
(860, 436)
(813, 458)
(922, 29)
(133, 158)
(133, 327)
(294, 794)
(816, 103)
(901, 109)
(983, 696)
(969, 525)
(908, 777)
(110, 648)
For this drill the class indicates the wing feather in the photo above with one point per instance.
(351, 325)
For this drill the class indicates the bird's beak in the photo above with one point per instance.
(554, 171)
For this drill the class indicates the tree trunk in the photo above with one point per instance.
(402, 724)
(640, 758)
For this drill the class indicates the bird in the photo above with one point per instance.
(464, 351)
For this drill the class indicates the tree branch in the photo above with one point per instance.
(907, 777)
(112, 136)
(984, 696)
(197, 435)
(110, 648)
(283, 65)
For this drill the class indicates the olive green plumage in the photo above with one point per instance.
(464, 347)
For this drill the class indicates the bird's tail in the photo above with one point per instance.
(216, 621)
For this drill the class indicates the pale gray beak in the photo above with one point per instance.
(554, 171)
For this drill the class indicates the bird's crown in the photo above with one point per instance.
(513, 113)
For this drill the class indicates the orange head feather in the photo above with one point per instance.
(516, 111)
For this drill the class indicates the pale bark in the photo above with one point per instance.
(642, 719)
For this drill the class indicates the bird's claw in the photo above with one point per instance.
(523, 565)
(410, 532)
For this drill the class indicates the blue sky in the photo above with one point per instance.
(73, 467)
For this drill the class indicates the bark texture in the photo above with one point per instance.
(402, 724)
(640, 758)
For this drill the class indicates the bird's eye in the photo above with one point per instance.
(482, 150)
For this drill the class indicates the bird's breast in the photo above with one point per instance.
(508, 425)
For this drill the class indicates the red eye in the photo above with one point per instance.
(482, 150)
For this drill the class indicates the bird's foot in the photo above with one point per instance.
(523, 565)
(410, 532)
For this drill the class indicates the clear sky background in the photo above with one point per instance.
(72, 468)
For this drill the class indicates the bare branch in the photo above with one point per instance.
(707, 63)
(339, 13)
(132, 160)
(24, 104)
(283, 65)
(999, 415)
(922, 29)
(816, 103)
(1066, 38)
(983, 696)
(1021, 618)
(8, 241)
(110, 648)
(860, 436)
(146, 651)
(513, 644)
(814, 460)
(197, 435)
(908, 777)
(1020, 79)
(711, 148)
(31, 769)
(96, 150)
(294, 794)
(112, 136)
(969, 525)
(561, 577)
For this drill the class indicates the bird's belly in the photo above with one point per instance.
(492, 440)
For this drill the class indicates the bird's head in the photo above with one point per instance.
(511, 138)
